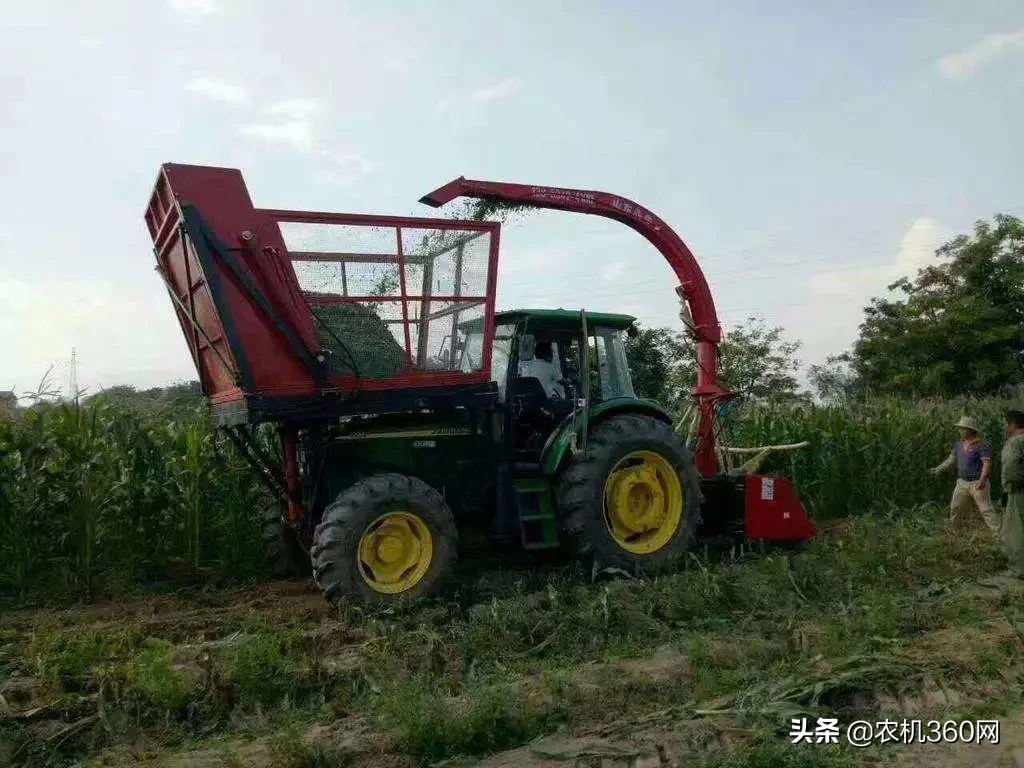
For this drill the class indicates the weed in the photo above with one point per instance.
(289, 749)
(153, 675)
(260, 669)
(67, 658)
(485, 719)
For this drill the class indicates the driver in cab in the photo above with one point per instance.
(542, 367)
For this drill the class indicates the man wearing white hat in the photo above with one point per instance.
(973, 460)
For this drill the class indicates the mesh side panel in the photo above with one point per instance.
(440, 334)
(341, 269)
(457, 261)
(331, 278)
(414, 285)
(339, 238)
(364, 337)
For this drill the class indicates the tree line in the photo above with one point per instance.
(955, 329)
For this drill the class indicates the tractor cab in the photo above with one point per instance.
(565, 363)
(555, 370)
(541, 374)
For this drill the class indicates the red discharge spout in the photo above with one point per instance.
(693, 287)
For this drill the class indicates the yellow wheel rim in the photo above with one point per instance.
(395, 552)
(643, 502)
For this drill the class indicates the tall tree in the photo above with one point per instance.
(754, 359)
(958, 327)
(834, 381)
(759, 362)
(652, 353)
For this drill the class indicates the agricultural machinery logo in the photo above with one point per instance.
(569, 196)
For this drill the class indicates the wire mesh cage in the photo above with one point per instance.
(394, 302)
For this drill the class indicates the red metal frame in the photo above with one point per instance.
(693, 287)
(245, 318)
(412, 378)
(289, 444)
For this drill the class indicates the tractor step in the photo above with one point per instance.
(528, 468)
(535, 508)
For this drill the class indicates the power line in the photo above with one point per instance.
(714, 258)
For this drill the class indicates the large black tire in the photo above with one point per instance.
(337, 567)
(580, 490)
(284, 557)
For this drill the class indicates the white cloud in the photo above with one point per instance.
(827, 323)
(498, 90)
(297, 133)
(194, 9)
(295, 108)
(917, 248)
(963, 64)
(218, 90)
(445, 104)
(345, 168)
(613, 271)
(300, 134)
(861, 283)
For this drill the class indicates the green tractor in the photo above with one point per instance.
(409, 409)
(565, 454)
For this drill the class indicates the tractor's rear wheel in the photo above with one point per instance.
(633, 501)
(384, 538)
(284, 556)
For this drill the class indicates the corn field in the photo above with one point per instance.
(97, 499)
(869, 456)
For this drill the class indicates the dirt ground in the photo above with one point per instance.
(644, 733)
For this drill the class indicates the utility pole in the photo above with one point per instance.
(73, 377)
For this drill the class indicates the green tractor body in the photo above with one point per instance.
(498, 464)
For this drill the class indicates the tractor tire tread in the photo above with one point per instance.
(580, 493)
(336, 540)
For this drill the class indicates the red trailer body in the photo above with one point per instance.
(252, 288)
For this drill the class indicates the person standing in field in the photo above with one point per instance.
(1012, 461)
(973, 460)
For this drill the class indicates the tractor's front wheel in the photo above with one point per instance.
(633, 500)
(385, 537)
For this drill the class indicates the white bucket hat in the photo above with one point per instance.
(968, 423)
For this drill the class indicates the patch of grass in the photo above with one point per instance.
(261, 670)
(68, 659)
(846, 623)
(487, 718)
(289, 749)
(152, 674)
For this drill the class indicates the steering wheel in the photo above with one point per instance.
(569, 381)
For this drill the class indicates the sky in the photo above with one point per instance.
(809, 153)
